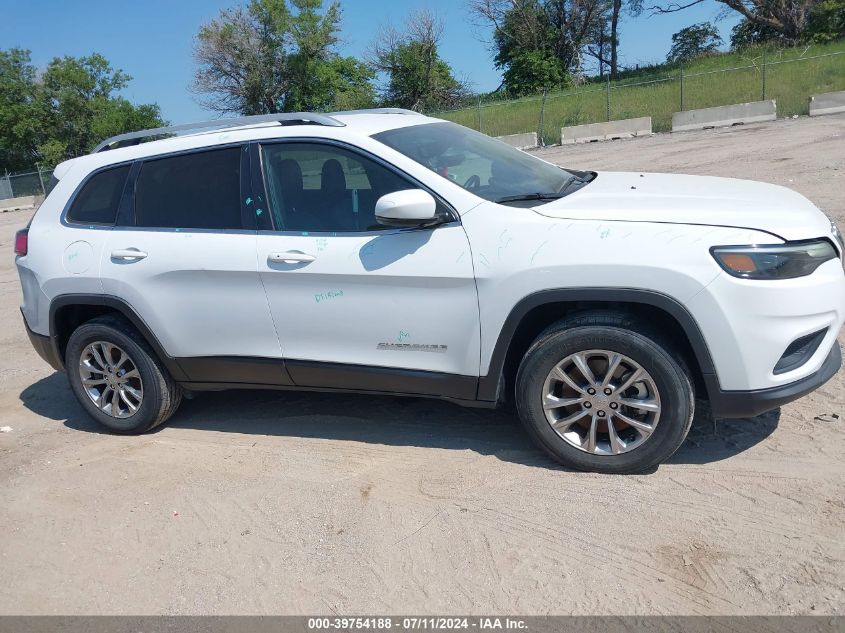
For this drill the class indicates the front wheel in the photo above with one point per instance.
(597, 395)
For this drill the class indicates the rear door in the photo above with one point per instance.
(356, 304)
(183, 256)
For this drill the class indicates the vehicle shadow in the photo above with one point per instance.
(387, 420)
(712, 441)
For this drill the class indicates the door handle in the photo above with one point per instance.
(291, 257)
(128, 253)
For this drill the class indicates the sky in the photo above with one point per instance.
(152, 40)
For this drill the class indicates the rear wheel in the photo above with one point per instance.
(117, 378)
(598, 393)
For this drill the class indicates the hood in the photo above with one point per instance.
(704, 200)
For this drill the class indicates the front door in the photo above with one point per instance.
(356, 304)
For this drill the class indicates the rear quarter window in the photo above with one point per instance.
(99, 198)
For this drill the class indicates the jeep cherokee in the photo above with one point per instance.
(387, 252)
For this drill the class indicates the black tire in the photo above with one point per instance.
(161, 394)
(618, 333)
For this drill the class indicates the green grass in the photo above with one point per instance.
(791, 76)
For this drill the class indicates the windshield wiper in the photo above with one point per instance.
(530, 196)
(578, 182)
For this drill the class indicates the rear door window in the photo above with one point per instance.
(99, 198)
(200, 190)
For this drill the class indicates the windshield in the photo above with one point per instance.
(480, 164)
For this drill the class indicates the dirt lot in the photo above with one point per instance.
(262, 502)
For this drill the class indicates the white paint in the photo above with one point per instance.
(78, 257)
(705, 200)
(392, 286)
(747, 324)
(199, 292)
(410, 204)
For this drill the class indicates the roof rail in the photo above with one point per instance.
(378, 111)
(286, 118)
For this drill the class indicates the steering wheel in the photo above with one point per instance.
(472, 183)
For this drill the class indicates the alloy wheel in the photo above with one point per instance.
(111, 380)
(601, 402)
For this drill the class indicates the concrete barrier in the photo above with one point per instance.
(607, 131)
(827, 103)
(528, 140)
(723, 116)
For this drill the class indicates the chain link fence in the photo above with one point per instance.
(786, 76)
(20, 184)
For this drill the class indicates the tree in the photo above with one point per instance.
(605, 35)
(65, 112)
(341, 83)
(416, 76)
(747, 33)
(604, 39)
(786, 18)
(19, 118)
(614, 38)
(556, 29)
(277, 56)
(322, 79)
(241, 58)
(532, 71)
(80, 105)
(694, 41)
(827, 21)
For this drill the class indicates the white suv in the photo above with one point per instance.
(383, 252)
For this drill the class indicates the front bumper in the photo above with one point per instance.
(748, 325)
(44, 347)
(743, 404)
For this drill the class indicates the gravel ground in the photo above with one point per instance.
(266, 502)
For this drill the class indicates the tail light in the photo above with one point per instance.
(22, 242)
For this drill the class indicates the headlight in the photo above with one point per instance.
(779, 261)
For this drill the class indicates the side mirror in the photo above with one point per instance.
(409, 207)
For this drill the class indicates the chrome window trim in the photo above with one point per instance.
(166, 229)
